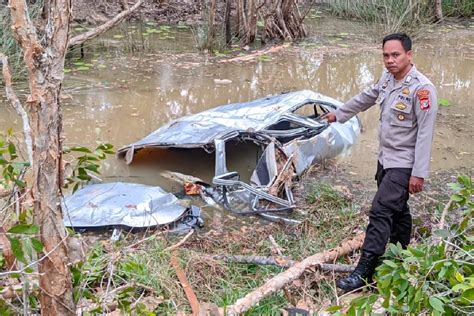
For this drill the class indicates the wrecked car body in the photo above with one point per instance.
(127, 206)
(287, 127)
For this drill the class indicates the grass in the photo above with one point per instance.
(133, 276)
(388, 16)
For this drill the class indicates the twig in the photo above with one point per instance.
(443, 214)
(181, 242)
(143, 240)
(278, 250)
(440, 225)
(16, 104)
(275, 245)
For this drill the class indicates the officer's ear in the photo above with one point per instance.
(410, 54)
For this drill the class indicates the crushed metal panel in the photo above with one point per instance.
(201, 129)
(331, 142)
(121, 204)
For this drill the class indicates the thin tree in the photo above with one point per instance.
(44, 49)
(438, 10)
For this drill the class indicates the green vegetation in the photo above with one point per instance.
(399, 15)
(458, 8)
(389, 15)
(433, 277)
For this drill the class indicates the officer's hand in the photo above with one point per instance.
(330, 117)
(415, 185)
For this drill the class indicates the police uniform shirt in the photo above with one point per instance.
(407, 118)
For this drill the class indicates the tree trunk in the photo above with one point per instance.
(44, 56)
(438, 10)
(211, 27)
(45, 63)
(228, 34)
(252, 22)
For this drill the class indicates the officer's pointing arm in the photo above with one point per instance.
(359, 103)
(426, 107)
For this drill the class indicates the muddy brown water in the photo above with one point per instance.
(118, 96)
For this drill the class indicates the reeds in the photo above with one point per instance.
(388, 16)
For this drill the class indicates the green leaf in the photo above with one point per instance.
(437, 304)
(442, 233)
(82, 68)
(391, 264)
(444, 102)
(118, 36)
(94, 168)
(17, 249)
(24, 229)
(469, 294)
(12, 150)
(459, 277)
(19, 183)
(334, 308)
(416, 252)
(81, 149)
(37, 245)
(457, 198)
(461, 287)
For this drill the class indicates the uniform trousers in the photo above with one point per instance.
(389, 218)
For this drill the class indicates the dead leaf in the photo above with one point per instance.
(192, 188)
(152, 302)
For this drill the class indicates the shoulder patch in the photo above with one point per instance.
(424, 99)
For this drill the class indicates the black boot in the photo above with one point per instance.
(362, 273)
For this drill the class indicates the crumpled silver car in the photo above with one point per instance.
(287, 127)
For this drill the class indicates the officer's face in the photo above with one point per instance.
(396, 59)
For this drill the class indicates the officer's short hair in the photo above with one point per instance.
(402, 37)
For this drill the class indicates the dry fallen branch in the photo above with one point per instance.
(192, 298)
(181, 242)
(256, 54)
(281, 262)
(279, 281)
(81, 38)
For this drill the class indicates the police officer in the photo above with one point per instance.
(408, 107)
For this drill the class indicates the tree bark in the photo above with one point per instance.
(280, 280)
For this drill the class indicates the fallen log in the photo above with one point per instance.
(282, 262)
(280, 280)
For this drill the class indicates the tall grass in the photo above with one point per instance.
(8, 44)
(387, 16)
(458, 8)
